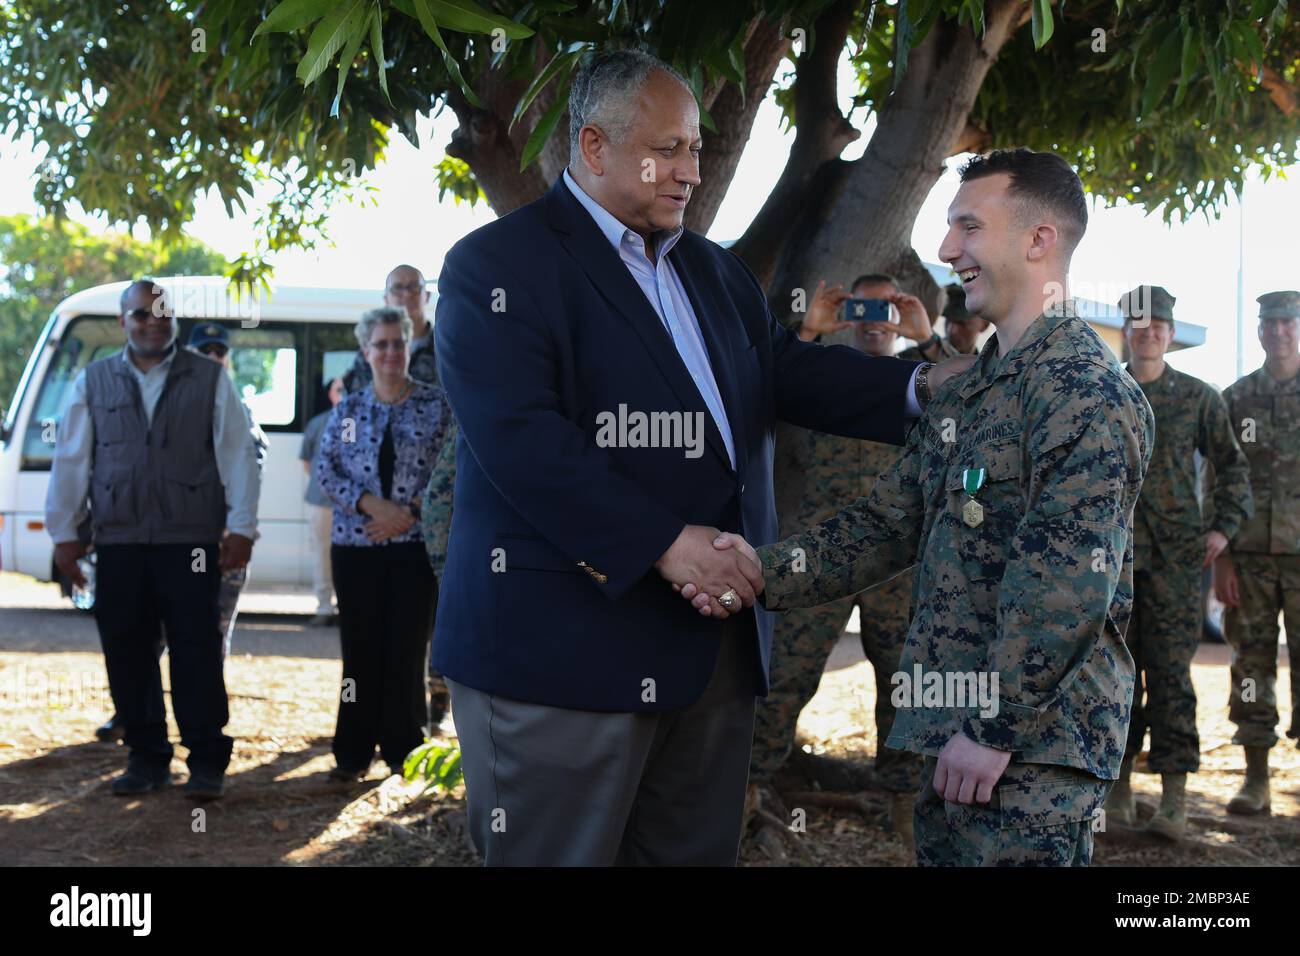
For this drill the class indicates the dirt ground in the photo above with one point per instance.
(56, 809)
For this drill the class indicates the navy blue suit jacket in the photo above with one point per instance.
(550, 593)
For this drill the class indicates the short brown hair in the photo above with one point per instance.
(1044, 184)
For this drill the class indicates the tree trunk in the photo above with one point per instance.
(857, 216)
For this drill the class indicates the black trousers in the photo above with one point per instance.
(386, 599)
(141, 589)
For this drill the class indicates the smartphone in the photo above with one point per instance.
(866, 310)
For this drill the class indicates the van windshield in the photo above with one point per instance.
(86, 338)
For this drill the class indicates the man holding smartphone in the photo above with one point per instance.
(816, 475)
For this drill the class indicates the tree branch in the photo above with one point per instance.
(1280, 92)
(734, 114)
(821, 133)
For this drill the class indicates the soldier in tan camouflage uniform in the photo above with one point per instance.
(1015, 493)
(1260, 577)
(1173, 544)
(815, 475)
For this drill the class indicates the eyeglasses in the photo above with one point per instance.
(144, 315)
(214, 351)
(401, 288)
(385, 345)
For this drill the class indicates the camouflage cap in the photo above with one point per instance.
(954, 309)
(1147, 302)
(1279, 305)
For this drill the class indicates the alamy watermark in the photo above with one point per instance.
(945, 689)
(624, 429)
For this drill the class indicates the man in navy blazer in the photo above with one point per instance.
(617, 381)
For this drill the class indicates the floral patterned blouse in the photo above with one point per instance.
(348, 463)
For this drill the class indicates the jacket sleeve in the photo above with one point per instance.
(834, 388)
(435, 512)
(331, 474)
(872, 540)
(1230, 503)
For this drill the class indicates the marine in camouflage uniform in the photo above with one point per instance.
(1170, 547)
(1265, 552)
(1037, 592)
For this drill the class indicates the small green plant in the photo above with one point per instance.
(436, 763)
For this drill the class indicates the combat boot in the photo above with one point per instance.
(901, 806)
(1170, 820)
(1120, 807)
(1253, 797)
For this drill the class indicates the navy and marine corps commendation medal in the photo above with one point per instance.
(972, 512)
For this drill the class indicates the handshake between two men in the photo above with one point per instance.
(717, 571)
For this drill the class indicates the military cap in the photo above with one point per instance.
(1279, 305)
(207, 333)
(1147, 302)
(954, 308)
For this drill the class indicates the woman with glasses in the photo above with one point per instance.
(376, 455)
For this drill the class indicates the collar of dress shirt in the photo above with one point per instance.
(164, 364)
(614, 230)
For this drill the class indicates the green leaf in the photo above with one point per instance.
(328, 37)
(903, 38)
(377, 51)
(1041, 22)
(1162, 72)
(425, 16)
(544, 128)
(705, 119)
(560, 62)
(357, 32)
(465, 16)
(292, 15)
(1188, 61)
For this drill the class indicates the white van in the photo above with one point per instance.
(285, 347)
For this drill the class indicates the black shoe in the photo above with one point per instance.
(112, 731)
(205, 786)
(137, 781)
(345, 775)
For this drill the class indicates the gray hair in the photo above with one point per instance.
(383, 316)
(602, 88)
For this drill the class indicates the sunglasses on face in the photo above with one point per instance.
(214, 351)
(144, 315)
(385, 345)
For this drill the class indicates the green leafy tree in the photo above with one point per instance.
(43, 261)
(142, 107)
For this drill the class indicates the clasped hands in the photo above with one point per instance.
(705, 564)
(388, 519)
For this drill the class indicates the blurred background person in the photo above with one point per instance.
(136, 421)
(1173, 543)
(405, 289)
(320, 511)
(213, 341)
(1258, 577)
(377, 453)
(961, 330)
(816, 475)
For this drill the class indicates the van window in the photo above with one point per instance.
(264, 363)
(87, 338)
(334, 349)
